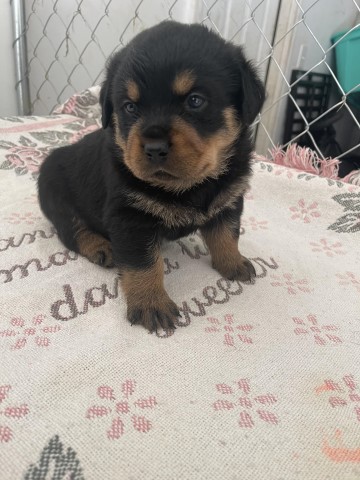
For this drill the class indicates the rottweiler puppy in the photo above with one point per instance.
(173, 157)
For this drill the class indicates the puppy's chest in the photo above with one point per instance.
(184, 218)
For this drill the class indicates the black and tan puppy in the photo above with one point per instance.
(173, 157)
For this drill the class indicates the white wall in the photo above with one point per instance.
(8, 105)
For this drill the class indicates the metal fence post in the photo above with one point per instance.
(20, 53)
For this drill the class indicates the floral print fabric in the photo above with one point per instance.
(261, 381)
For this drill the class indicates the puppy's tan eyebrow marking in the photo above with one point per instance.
(183, 82)
(133, 91)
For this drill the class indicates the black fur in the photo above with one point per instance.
(89, 182)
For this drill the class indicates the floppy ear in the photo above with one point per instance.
(106, 104)
(113, 63)
(251, 91)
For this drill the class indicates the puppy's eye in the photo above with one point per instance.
(130, 108)
(195, 101)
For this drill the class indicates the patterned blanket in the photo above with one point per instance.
(262, 381)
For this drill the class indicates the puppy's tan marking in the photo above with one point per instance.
(147, 300)
(218, 148)
(133, 91)
(191, 160)
(134, 156)
(183, 82)
(120, 142)
(177, 215)
(93, 246)
(226, 258)
(144, 286)
(229, 197)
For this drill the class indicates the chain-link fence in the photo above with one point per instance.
(310, 97)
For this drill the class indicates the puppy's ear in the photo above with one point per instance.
(251, 91)
(106, 103)
(112, 67)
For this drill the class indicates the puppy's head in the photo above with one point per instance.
(177, 98)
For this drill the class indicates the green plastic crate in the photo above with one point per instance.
(347, 53)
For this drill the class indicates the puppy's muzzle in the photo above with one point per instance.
(156, 144)
(157, 151)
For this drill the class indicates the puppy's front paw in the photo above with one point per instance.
(159, 315)
(239, 268)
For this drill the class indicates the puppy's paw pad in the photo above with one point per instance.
(155, 318)
(103, 258)
(241, 269)
(245, 272)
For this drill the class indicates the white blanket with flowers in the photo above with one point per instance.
(262, 381)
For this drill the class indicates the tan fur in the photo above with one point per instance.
(191, 160)
(144, 286)
(134, 156)
(120, 142)
(93, 246)
(147, 300)
(183, 83)
(223, 246)
(181, 215)
(133, 91)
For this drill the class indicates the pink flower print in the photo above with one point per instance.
(223, 388)
(248, 407)
(25, 158)
(249, 195)
(28, 218)
(305, 212)
(330, 249)
(123, 411)
(116, 430)
(6, 434)
(245, 420)
(321, 334)
(223, 405)
(128, 388)
(25, 332)
(343, 394)
(106, 392)
(4, 392)
(254, 224)
(10, 412)
(278, 170)
(232, 332)
(357, 412)
(349, 278)
(33, 199)
(336, 401)
(244, 385)
(290, 284)
(141, 424)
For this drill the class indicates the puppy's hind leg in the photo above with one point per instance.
(71, 228)
(93, 246)
(74, 233)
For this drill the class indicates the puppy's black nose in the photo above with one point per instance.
(156, 152)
